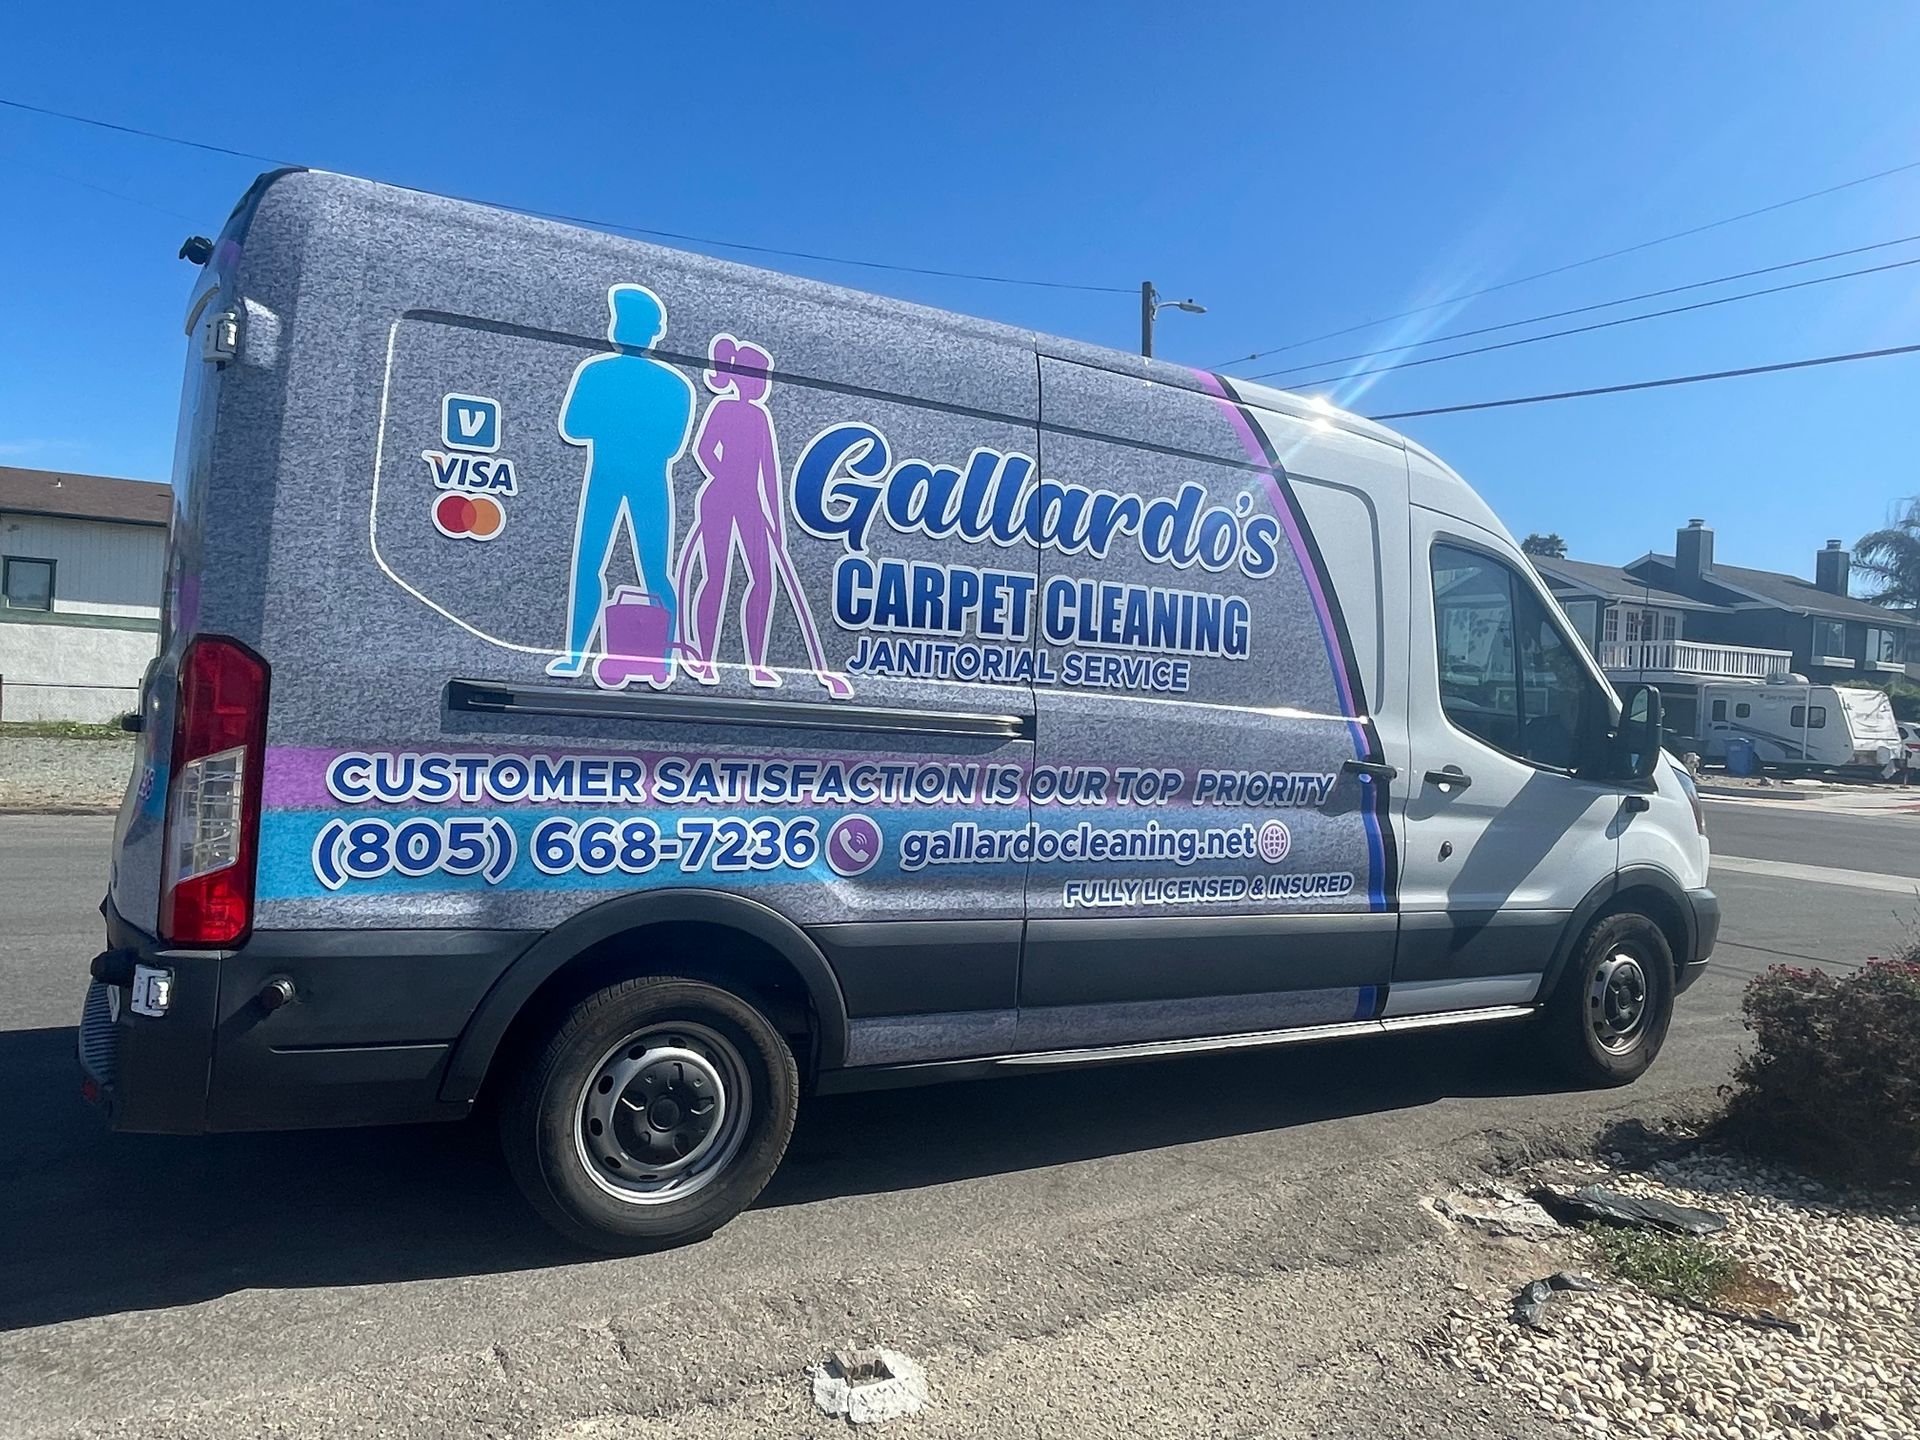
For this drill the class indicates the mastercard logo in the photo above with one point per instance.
(468, 517)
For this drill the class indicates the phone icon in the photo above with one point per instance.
(853, 845)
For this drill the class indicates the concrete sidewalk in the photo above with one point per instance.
(1845, 799)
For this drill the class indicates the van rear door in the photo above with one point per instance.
(134, 881)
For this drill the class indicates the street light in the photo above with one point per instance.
(1151, 305)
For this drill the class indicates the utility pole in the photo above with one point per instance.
(1150, 305)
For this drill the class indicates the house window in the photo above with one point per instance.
(1742, 710)
(1610, 626)
(1719, 710)
(1801, 717)
(1669, 627)
(1829, 637)
(1884, 646)
(1581, 614)
(26, 584)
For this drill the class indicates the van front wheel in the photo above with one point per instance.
(1609, 1017)
(655, 1113)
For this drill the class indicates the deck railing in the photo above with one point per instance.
(1693, 657)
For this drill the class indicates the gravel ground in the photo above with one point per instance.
(64, 775)
(1624, 1363)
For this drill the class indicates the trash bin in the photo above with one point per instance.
(1740, 758)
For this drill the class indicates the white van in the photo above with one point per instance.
(1800, 726)
(642, 689)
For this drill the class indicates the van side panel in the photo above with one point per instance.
(1206, 860)
(587, 568)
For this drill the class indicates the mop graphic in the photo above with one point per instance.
(632, 414)
(739, 512)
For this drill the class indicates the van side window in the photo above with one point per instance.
(1719, 709)
(1742, 710)
(1508, 675)
(1815, 719)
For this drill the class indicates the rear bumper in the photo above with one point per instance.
(1705, 906)
(365, 1041)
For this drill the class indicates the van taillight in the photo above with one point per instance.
(213, 799)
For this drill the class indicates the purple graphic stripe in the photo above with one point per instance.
(295, 776)
(1284, 511)
(1329, 633)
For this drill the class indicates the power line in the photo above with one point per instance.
(1597, 305)
(1654, 384)
(1577, 264)
(593, 222)
(1604, 324)
(143, 134)
(97, 188)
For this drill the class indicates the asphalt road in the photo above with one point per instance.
(157, 1286)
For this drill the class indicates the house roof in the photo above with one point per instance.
(1770, 587)
(1611, 582)
(84, 497)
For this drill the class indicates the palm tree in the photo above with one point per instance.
(1891, 555)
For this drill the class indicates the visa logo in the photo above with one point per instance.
(474, 474)
(470, 422)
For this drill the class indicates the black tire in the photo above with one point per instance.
(737, 1066)
(1583, 1021)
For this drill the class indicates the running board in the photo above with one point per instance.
(878, 1077)
(1261, 1039)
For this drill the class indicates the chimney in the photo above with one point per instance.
(1831, 568)
(1693, 551)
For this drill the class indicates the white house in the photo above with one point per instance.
(81, 564)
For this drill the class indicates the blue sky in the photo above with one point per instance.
(1296, 170)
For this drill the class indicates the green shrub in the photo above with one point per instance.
(1679, 1267)
(1832, 1083)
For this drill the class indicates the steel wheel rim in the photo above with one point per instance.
(663, 1112)
(1617, 1002)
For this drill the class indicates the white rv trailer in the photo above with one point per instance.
(1795, 724)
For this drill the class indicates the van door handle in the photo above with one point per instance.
(1372, 769)
(1452, 776)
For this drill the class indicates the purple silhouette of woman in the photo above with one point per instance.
(739, 510)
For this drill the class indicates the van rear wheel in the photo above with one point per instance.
(1609, 1017)
(654, 1113)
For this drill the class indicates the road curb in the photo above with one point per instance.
(1734, 792)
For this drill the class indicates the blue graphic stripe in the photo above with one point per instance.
(1333, 628)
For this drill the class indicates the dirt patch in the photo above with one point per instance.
(64, 776)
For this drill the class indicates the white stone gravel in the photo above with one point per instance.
(1622, 1363)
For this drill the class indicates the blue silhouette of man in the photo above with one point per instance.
(633, 414)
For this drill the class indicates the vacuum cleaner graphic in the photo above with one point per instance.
(638, 634)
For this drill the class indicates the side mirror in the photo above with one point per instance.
(1637, 738)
